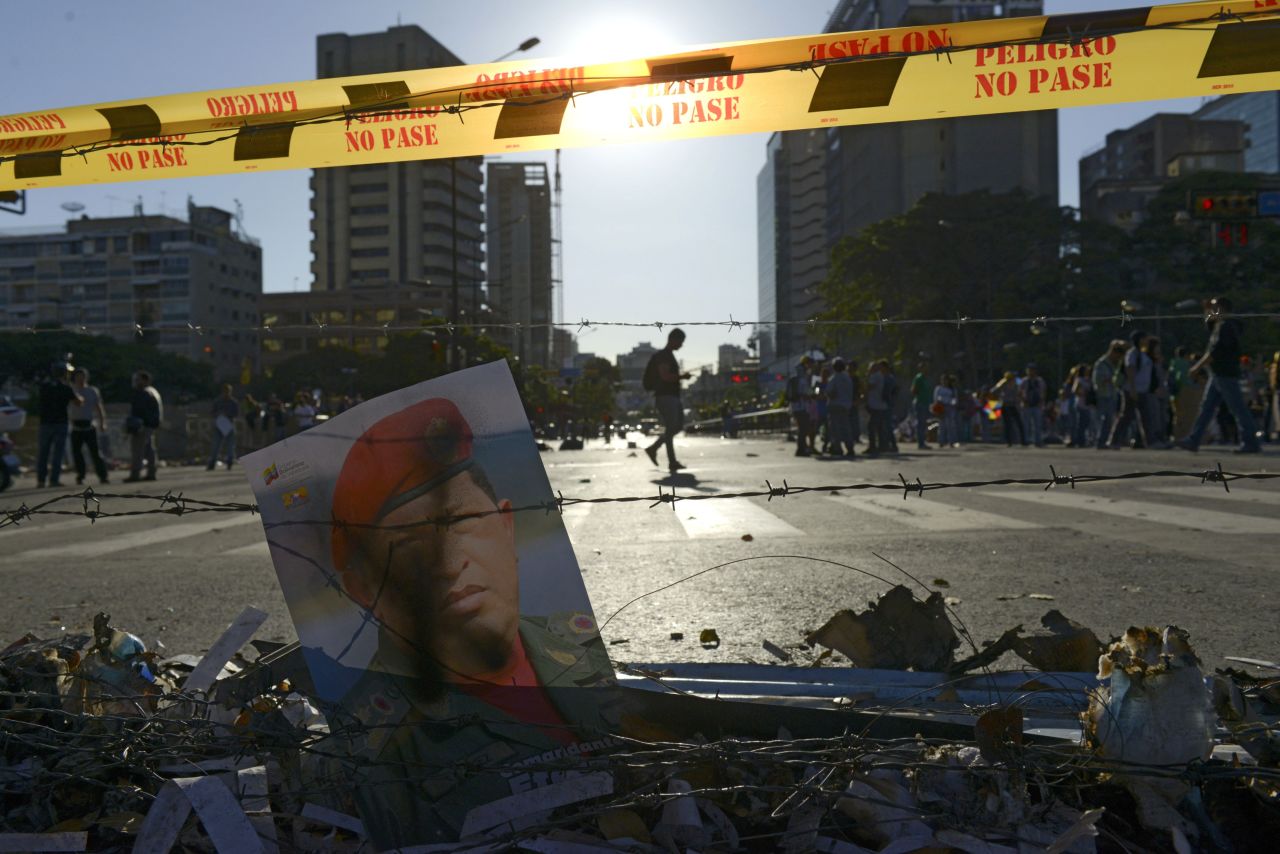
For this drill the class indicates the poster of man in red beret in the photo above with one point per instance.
(439, 605)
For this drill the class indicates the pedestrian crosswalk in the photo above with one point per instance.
(1009, 509)
(1196, 518)
(155, 533)
(1158, 512)
(929, 514)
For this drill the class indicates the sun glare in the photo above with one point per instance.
(622, 36)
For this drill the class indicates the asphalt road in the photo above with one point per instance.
(1142, 552)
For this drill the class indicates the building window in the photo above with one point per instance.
(370, 231)
(179, 288)
(361, 210)
(179, 264)
(19, 250)
(371, 252)
(368, 188)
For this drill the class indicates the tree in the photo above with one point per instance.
(594, 392)
(976, 255)
(111, 364)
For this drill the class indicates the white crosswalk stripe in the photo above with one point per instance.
(1208, 495)
(927, 514)
(253, 550)
(1195, 518)
(152, 535)
(574, 516)
(731, 519)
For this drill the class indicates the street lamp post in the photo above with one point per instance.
(527, 44)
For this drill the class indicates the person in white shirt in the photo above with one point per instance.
(944, 395)
(87, 418)
(304, 413)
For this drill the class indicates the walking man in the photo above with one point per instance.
(56, 394)
(1105, 373)
(145, 414)
(1136, 382)
(1222, 356)
(662, 376)
(922, 397)
(799, 391)
(1032, 393)
(839, 408)
(225, 413)
(84, 434)
(876, 410)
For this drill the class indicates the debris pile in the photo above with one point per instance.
(110, 747)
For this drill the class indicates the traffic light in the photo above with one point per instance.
(1232, 234)
(1224, 204)
(742, 378)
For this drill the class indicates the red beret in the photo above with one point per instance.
(403, 456)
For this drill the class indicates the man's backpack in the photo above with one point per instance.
(650, 381)
(1033, 396)
(793, 389)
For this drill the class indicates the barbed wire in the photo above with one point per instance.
(763, 781)
(449, 100)
(180, 504)
(584, 324)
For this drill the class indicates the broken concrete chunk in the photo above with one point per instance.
(898, 632)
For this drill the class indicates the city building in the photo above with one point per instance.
(631, 365)
(298, 322)
(564, 348)
(730, 356)
(1260, 112)
(395, 224)
(1120, 178)
(518, 248)
(858, 175)
(791, 198)
(106, 275)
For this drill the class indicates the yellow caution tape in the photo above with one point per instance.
(902, 74)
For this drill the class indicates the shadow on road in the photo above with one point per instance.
(684, 480)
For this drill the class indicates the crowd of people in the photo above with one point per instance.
(1132, 395)
(73, 416)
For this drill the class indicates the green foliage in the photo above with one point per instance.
(594, 392)
(25, 358)
(984, 255)
(408, 358)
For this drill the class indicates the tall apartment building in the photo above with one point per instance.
(791, 198)
(392, 224)
(107, 274)
(1119, 179)
(518, 248)
(1260, 112)
(873, 172)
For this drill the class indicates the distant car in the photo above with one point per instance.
(12, 417)
(648, 425)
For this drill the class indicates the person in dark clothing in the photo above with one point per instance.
(145, 414)
(662, 376)
(56, 394)
(1222, 357)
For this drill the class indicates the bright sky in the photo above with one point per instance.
(661, 231)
